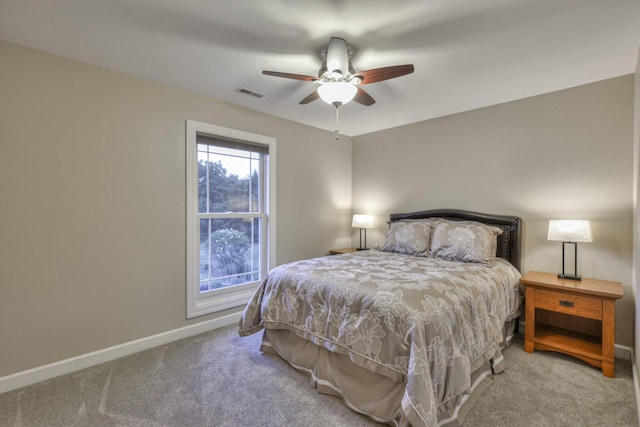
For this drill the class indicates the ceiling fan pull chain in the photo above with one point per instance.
(336, 130)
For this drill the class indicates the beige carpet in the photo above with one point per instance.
(220, 379)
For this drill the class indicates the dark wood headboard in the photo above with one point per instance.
(509, 242)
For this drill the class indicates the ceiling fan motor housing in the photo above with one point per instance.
(337, 57)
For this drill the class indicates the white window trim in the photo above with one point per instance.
(236, 296)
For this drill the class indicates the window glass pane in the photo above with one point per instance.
(228, 180)
(229, 252)
(205, 254)
(256, 252)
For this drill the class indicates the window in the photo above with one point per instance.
(230, 216)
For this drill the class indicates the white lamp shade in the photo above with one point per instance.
(362, 221)
(570, 230)
(340, 92)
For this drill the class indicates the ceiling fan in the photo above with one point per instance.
(338, 81)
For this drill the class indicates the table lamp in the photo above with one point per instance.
(362, 222)
(570, 231)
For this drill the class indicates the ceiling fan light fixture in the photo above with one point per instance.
(337, 92)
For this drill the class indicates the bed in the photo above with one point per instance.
(409, 335)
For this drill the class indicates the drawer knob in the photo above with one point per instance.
(566, 303)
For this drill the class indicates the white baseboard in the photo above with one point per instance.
(62, 367)
(622, 352)
(636, 386)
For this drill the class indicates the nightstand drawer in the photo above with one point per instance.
(574, 305)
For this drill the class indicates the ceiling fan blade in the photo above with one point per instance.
(290, 76)
(363, 98)
(311, 97)
(384, 73)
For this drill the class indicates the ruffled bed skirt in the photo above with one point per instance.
(369, 393)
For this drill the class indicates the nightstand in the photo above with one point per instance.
(572, 317)
(342, 251)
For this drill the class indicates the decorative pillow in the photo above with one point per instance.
(411, 238)
(467, 241)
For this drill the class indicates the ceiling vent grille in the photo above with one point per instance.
(249, 92)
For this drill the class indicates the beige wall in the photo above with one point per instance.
(566, 154)
(92, 193)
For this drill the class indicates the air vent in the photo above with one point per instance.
(249, 92)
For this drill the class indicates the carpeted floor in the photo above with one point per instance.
(552, 389)
(220, 379)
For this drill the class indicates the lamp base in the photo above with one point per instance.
(568, 277)
(362, 249)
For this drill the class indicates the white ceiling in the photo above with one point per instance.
(467, 53)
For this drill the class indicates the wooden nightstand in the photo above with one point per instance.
(342, 251)
(572, 317)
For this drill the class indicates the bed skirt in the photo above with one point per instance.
(366, 392)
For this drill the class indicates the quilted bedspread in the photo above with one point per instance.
(424, 321)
